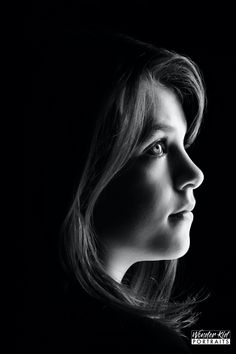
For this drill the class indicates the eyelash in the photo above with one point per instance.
(163, 145)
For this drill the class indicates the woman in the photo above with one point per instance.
(132, 213)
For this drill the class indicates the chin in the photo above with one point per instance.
(181, 248)
(181, 253)
(168, 246)
(168, 253)
(176, 248)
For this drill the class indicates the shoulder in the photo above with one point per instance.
(143, 335)
(92, 326)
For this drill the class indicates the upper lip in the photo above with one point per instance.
(186, 208)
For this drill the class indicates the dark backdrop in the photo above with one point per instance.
(56, 48)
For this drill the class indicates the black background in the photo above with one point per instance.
(53, 153)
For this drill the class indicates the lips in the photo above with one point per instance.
(183, 212)
(181, 217)
(185, 208)
(178, 214)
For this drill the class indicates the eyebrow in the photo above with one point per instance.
(151, 128)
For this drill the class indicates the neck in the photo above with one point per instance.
(117, 261)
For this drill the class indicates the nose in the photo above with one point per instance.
(189, 174)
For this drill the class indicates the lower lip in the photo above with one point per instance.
(186, 215)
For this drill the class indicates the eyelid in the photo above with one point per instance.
(162, 141)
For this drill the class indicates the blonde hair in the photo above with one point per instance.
(119, 129)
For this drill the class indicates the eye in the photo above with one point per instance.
(157, 149)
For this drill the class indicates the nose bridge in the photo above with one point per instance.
(190, 175)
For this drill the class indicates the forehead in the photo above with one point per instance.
(165, 112)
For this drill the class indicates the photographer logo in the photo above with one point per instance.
(210, 337)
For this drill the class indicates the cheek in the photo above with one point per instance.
(136, 201)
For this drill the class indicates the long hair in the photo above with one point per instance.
(120, 126)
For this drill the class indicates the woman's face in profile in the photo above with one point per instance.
(145, 213)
